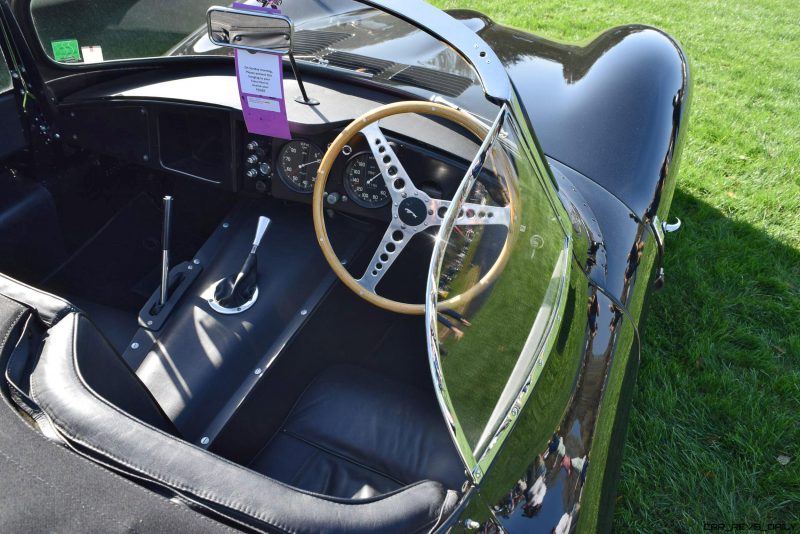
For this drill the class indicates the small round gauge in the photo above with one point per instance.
(364, 183)
(298, 163)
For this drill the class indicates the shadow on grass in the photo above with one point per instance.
(715, 412)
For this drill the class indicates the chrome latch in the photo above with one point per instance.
(660, 229)
(471, 524)
(670, 228)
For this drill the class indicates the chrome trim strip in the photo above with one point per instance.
(313, 61)
(208, 295)
(544, 346)
(491, 72)
(431, 298)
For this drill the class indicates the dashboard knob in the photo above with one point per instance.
(261, 186)
(252, 145)
(333, 198)
(252, 173)
(264, 169)
(252, 160)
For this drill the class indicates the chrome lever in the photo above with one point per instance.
(166, 235)
(263, 226)
(660, 229)
(238, 293)
(671, 227)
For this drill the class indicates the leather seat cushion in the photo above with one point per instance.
(355, 434)
(107, 374)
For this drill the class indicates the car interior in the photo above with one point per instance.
(299, 380)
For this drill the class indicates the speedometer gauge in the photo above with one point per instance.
(364, 183)
(298, 163)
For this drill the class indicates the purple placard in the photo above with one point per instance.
(260, 83)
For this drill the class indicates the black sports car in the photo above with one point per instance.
(408, 300)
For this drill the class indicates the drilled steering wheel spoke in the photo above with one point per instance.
(472, 214)
(394, 241)
(394, 174)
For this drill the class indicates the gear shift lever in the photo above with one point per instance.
(239, 291)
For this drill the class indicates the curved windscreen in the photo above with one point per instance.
(345, 35)
(489, 344)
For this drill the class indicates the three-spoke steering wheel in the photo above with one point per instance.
(413, 211)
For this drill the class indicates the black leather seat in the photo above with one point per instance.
(101, 367)
(105, 372)
(355, 434)
(94, 403)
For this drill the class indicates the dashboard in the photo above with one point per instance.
(170, 126)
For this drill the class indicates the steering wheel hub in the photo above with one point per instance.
(412, 211)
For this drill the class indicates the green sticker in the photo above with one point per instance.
(66, 51)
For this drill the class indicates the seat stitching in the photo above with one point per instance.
(210, 496)
(344, 457)
(288, 415)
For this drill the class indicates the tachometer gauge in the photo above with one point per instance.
(298, 163)
(364, 183)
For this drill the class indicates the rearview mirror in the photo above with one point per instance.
(250, 30)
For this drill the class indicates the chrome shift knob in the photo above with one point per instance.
(263, 225)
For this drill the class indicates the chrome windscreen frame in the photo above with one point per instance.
(490, 70)
(477, 460)
(539, 347)
(432, 288)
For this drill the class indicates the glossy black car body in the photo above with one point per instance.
(609, 117)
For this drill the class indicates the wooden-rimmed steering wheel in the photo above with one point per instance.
(413, 211)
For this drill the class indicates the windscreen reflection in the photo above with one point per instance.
(491, 343)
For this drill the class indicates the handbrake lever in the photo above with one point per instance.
(166, 234)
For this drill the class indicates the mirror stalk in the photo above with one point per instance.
(304, 99)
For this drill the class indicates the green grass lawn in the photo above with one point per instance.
(718, 396)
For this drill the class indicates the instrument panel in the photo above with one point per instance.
(288, 170)
(364, 183)
(298, 163)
